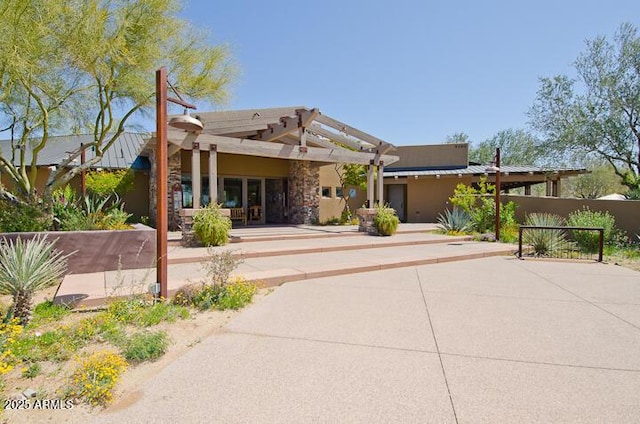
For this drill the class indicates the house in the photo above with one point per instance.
(278, 166)
(418, 186)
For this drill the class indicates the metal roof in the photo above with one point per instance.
(478, 170)
(122, 154)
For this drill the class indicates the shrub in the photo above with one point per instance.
(137, 311)
(236, 294)
(106, 183)
(96, 376)
(18, 218)
(210, 227)
(48, 312)
(26, 267)
(88, 213)
(588, 241)
(9, 334)
(386, 222)
(219, 265)
(32, 371)
(543, 241)
(456, 221)
(146, 346)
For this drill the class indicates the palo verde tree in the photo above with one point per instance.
(70, 66)
(350, 175)
(598, 113)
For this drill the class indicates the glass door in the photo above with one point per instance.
(255, 210)
(232, 193)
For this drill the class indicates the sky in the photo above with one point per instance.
(406, 71)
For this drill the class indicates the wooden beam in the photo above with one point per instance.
(370, 191)
(213, 173)
(324, 143)
(306, 116)
(287, 125)
(317, 129)
(248, 114)
(380, 184)
(349, 130)
(195, 175)
(273, 150)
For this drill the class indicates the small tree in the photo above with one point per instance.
(350, 176)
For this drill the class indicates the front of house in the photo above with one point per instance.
(278, 166)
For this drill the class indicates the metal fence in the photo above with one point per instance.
(560, 242)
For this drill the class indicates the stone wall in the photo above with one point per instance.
(304, 192)
(175, 178)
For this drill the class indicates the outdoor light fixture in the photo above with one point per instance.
(186, 122)
(495, 167)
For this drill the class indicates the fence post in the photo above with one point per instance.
(601, 232)
(520, 242)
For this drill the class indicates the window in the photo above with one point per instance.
(326, 192)
(339, 192)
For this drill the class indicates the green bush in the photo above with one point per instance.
(46, 312)
(18, 218)
(456, 221)
(106, 183)
(210, 227)
(146, 346)
(233, 295)
(545, 241)
(588, 241)
(89, 212)
(386, 222)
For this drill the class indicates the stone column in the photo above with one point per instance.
(304, 192)
(174, 178)
(175, 181)
(153, 189)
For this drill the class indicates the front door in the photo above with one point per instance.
(276, 200)
(397, 199)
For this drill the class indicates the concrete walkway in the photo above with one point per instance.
(492, 340)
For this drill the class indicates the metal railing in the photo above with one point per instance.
(569, 247)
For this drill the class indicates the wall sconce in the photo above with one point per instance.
(437, 176)
(415, 177)
(459, 175)
(395, 177)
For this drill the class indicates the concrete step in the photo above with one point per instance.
(282, 247)
(90, 290)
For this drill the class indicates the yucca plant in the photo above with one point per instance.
(26, 267)
(455, 221)
(544, 241)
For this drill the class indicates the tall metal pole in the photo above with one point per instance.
(83, 173)
(498, 171)
(162, 159)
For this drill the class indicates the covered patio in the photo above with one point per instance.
(263, 164)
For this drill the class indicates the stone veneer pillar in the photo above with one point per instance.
(304, 192)
(175, 178)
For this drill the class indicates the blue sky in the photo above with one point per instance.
(407, 71)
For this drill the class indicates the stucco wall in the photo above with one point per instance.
(432, 155)
(241, 165)
(626, 212)
(333, 206)
(427, 197)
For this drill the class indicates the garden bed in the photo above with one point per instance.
(101, 250)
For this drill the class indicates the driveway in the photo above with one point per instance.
(494, 340)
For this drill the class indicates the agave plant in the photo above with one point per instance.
(455, 221)
(26, 267)
(545, 241)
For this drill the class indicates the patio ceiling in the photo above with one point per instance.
(287, 133)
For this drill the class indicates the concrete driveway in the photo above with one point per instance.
(494, 340)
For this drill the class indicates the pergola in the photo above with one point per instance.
(294, 133)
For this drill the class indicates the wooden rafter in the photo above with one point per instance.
(349, 130)
(273, 150)
(317, 129)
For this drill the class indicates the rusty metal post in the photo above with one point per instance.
(162, 159)
(498, 171)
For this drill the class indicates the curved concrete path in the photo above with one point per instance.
(493, 340)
